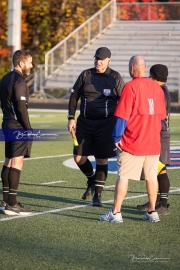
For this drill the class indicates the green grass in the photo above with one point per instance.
(66, 232)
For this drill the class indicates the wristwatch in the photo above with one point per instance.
(70, 117)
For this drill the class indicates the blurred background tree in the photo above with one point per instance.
(5, 51)
(45, 23)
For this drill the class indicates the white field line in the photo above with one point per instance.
(49, 183)
(44, 110)
(75, 207)
(61, 181)
(109, 186)
(44, 184)
(106, 187)
(26, 159)
(64, 111)
(65, 155)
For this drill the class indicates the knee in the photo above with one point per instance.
(162, 172)
(17, 162)
(7, 162)
(80, 160)
(101, 161)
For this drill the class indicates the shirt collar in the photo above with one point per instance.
(15, 70)
(106, 73)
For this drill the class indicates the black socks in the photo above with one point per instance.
(100, 178)
(164, 184)
(14, 177)
(87, 169)
(5, 182)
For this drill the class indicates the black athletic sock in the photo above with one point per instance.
(87, 170)
(158, 196)
(100, 178)
(14, 177)
(5, 182)
(164, 186)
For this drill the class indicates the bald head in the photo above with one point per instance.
(137, 66)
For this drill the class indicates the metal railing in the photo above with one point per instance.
(79, 38)
(85, 34)
(179, 88)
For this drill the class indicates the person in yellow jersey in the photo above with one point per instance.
(159, 73)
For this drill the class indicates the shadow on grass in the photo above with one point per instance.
(128, 213)
(48, 198)
(51, 186)
(72, 187)
(139, 218)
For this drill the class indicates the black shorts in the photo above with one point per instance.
(16, 148)
(95, 137)
(165, 147)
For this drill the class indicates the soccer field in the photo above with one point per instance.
(64, 232)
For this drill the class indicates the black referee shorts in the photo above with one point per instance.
(95, 137)
(16, 148)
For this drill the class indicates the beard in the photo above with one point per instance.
(26, 71)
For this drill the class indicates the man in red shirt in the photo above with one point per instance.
(137, 137)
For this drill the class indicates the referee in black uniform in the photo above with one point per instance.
(98, 89)
(14, 103)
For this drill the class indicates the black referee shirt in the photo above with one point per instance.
(98, 92)
(14, 95)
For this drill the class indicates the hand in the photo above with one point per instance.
(118, 145)
(71, 125)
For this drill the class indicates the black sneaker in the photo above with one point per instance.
(145, 206)
(89, 192)
(97, 200)
(162, 210)
(17, 209)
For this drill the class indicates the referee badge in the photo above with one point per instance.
(107, 92)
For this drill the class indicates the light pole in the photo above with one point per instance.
(14, 24)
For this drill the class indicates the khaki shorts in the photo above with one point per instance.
(131, 166)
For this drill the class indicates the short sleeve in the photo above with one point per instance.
(125, 105)
(20, 91)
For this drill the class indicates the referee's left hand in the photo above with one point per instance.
(71, 125)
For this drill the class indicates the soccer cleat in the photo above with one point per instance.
(89, 192)
(162, 210)
(2, 206)
(145, 206)
(97, 200)
(17, 209)
(110, 217)
(153, 217)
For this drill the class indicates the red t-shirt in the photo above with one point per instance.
(142, 104)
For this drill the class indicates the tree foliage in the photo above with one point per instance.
(5, 52)
(47, 22)
(44, 24)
